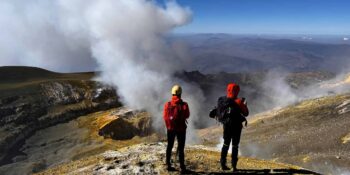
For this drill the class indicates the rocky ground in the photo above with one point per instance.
(149, 159)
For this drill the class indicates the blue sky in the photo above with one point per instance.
(268, 16)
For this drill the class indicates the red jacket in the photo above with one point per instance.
(184, 114)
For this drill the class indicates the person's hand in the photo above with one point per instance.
(244, 101)
(245, 122)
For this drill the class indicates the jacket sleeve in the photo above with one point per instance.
(186, 111)
(243, 107)
(165, 111)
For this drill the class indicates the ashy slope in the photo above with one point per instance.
(314, 134)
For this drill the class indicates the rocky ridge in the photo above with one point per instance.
(27, 106)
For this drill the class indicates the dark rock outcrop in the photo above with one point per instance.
(29, 108)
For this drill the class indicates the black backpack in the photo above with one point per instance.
(225, 109)
(220, 111)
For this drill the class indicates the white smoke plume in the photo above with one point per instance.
(33, 34)
(280, 94)
(124, 38)
(130, 49)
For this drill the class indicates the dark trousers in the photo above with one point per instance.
(232, 132)
(181, 138)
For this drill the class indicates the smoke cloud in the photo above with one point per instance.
(277, 92)
(124, 39)
(276, 89)
(33, 34)
(131, 50)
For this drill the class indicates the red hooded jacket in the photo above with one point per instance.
(232, 92)
(182, 111)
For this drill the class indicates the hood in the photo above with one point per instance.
(175, 100)
(232, 90)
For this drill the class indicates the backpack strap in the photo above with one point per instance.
(180, 109)
(169, 106)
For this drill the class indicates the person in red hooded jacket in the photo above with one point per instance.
(175, 115)
(234, 110)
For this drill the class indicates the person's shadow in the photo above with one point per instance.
(259, 171)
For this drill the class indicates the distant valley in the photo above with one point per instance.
(213, 53)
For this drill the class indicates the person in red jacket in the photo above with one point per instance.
(234, 110)
(176, 113)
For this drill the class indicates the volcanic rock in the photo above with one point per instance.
(43, 99)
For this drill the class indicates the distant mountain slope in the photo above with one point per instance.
(314, 134)
(222, 52)
(22, 74)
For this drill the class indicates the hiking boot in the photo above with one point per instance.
(234, 165)
(170, 168)
(234, 169)
(224, 167)
(184, 170)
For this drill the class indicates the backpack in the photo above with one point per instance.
(173, 116)
(214, 113)
(223, 110)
